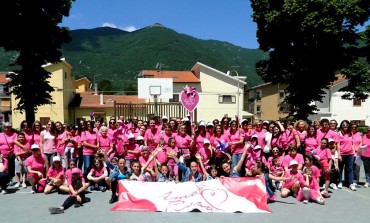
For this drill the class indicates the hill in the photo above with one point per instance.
(118, 56)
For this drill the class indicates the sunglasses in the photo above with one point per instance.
(292, 149)
(275, 151)
(345, 125)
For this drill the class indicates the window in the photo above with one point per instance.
(44, 120)
(258, 111)
(175, 98)
(251, 96)
(65, 75)
(281, 94)
(357, 102)
(227, 99)
(258, 95)
(258, 108)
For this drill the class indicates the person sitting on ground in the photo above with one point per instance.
(55, 175)
(189, 173)
(36, 165)
(97, 176)
(235, 172)
(310, 188)
(77, 189)
(68, 175)
(293, 185)
(163, 174)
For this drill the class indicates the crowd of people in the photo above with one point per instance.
(297, 158)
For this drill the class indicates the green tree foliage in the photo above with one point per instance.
(308, 43)
(30, 28)
(105, 85)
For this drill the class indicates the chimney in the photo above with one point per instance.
(101, 99)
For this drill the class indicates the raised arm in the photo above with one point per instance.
(240, 163)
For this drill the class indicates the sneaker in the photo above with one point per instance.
(305, 201)
(366, 185)
(325, 194)
(3, 192)
(113, 199)
(340, 185)
(320, 201)
(355, 184)
(77, 205)
(102, 189)
(17, 185)
(333, 186)
(352, 187)
(55, 210)
(24, 185)
(33, 190)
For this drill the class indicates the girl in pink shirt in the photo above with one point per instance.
(68, 175)
(36, 129)
(172, 166)
(236, 142)
(48, 141)
(218, 136)
(346, 154)
(184, 143)
(357, 142)
(200, 136)
(260, 134)
(97, 176)
(310, 189)
(324, 154)
(300, 128)
(54, 176)
(311, 142)
(21, 154)
(28, 136)
(294, 184)
(89, 140)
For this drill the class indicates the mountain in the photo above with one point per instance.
(118, 56)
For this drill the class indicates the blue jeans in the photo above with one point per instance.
(347, 161)
(269, 189)
(235, 159)
(4, 180)
(366, 161)
(49, 157)
(87, 164)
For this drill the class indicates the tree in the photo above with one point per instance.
(31, 29)
(309, 42)
(105, 85)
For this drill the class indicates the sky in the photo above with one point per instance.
(222, 20)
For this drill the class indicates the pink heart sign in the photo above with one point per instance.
(189, 101)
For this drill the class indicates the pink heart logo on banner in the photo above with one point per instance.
(189, 101)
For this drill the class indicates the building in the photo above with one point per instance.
(265, 102)
(219, 92)
(5, 108)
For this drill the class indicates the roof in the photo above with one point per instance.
(90, 100)
(178, 76)
(63, 60)
(84, 78)
(341, 79)
(3, 79)
(236, 78)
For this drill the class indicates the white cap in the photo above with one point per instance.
(331, 140)
(35, 146)
(244, 120)
(201, 123)
(210, 124)
(257, 147)
(267, 122)
(254, 136)
(206, 141)
(185, 119)
(131, 136)
(7, 124)
(56, 158)
(293, 162)
(164, 117)
(139, 138)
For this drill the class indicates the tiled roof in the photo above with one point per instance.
(3, 79)
(341, 79)
(178, 76)
(89, 100)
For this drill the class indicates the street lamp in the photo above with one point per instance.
(95, 85)
(237, 99)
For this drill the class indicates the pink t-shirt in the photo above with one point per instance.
(324, 154)
(205, 153)
(315, 171)
(60, 146)
(311, 144)
(199, 141)
(288, 158)
(278, 141)
(345, 144)
(36, 163)
(7, 143)
(57, 172)
(357, 139)
(151, 137)
(143, 161)
(96, 172)
(112, 133)
(289, 137)
(119, 145)
(68, 175)
(366, 141)
(161, 156)
(289, 183)
(169, 150)
(104, 142)
(132, 147)
(223, 139)
(261, 137)
(269, 161)
(276, 169)
(183, 141)
(313, 184)
(90, 138)
(29, 139)
(235, 137)
(329, 134)
(18, 149)
(302, 135)
(36, 138)
(49, 145)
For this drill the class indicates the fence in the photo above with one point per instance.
(145, 111)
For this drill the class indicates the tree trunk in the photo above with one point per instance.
(30, 112)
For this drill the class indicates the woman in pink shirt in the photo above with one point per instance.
(97, 176)
(225, 122)
(54, 176)
(151, 135)
(260, 133)
(165, 134)
(293, 155)
(300, 133)
(200, 135)
(236, 142)
(278, 139)
(365, 156)
(7, 139)
(36, 129)
(311, 142)
(60, 136)
(184, 142)
(323, 152)
(218, 137)
(4, 176)
(48, 141)
(90, 146)
(28, 136)
(346, 154)
(36, 164)
(290, 136)
(21, 154)
(357, 142)
(104, 141)
(132, 151)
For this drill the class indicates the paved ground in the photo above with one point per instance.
(343, 206)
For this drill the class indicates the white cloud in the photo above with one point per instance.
(130, 28)
(107, 24)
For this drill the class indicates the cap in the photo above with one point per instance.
(331, 140)
(210, 124)
(144, 148)
(35, 147)
(293, 162)
(265, 122)
(164, 117)
(206, 141)
(75, 171)
(56, 158)
(201, 123)
(139, 138)
(131, 136)
(244, 120)
(254, 136)
(257, 147)
(185, 119)
(7, 124)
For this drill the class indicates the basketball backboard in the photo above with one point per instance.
(149, 87)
